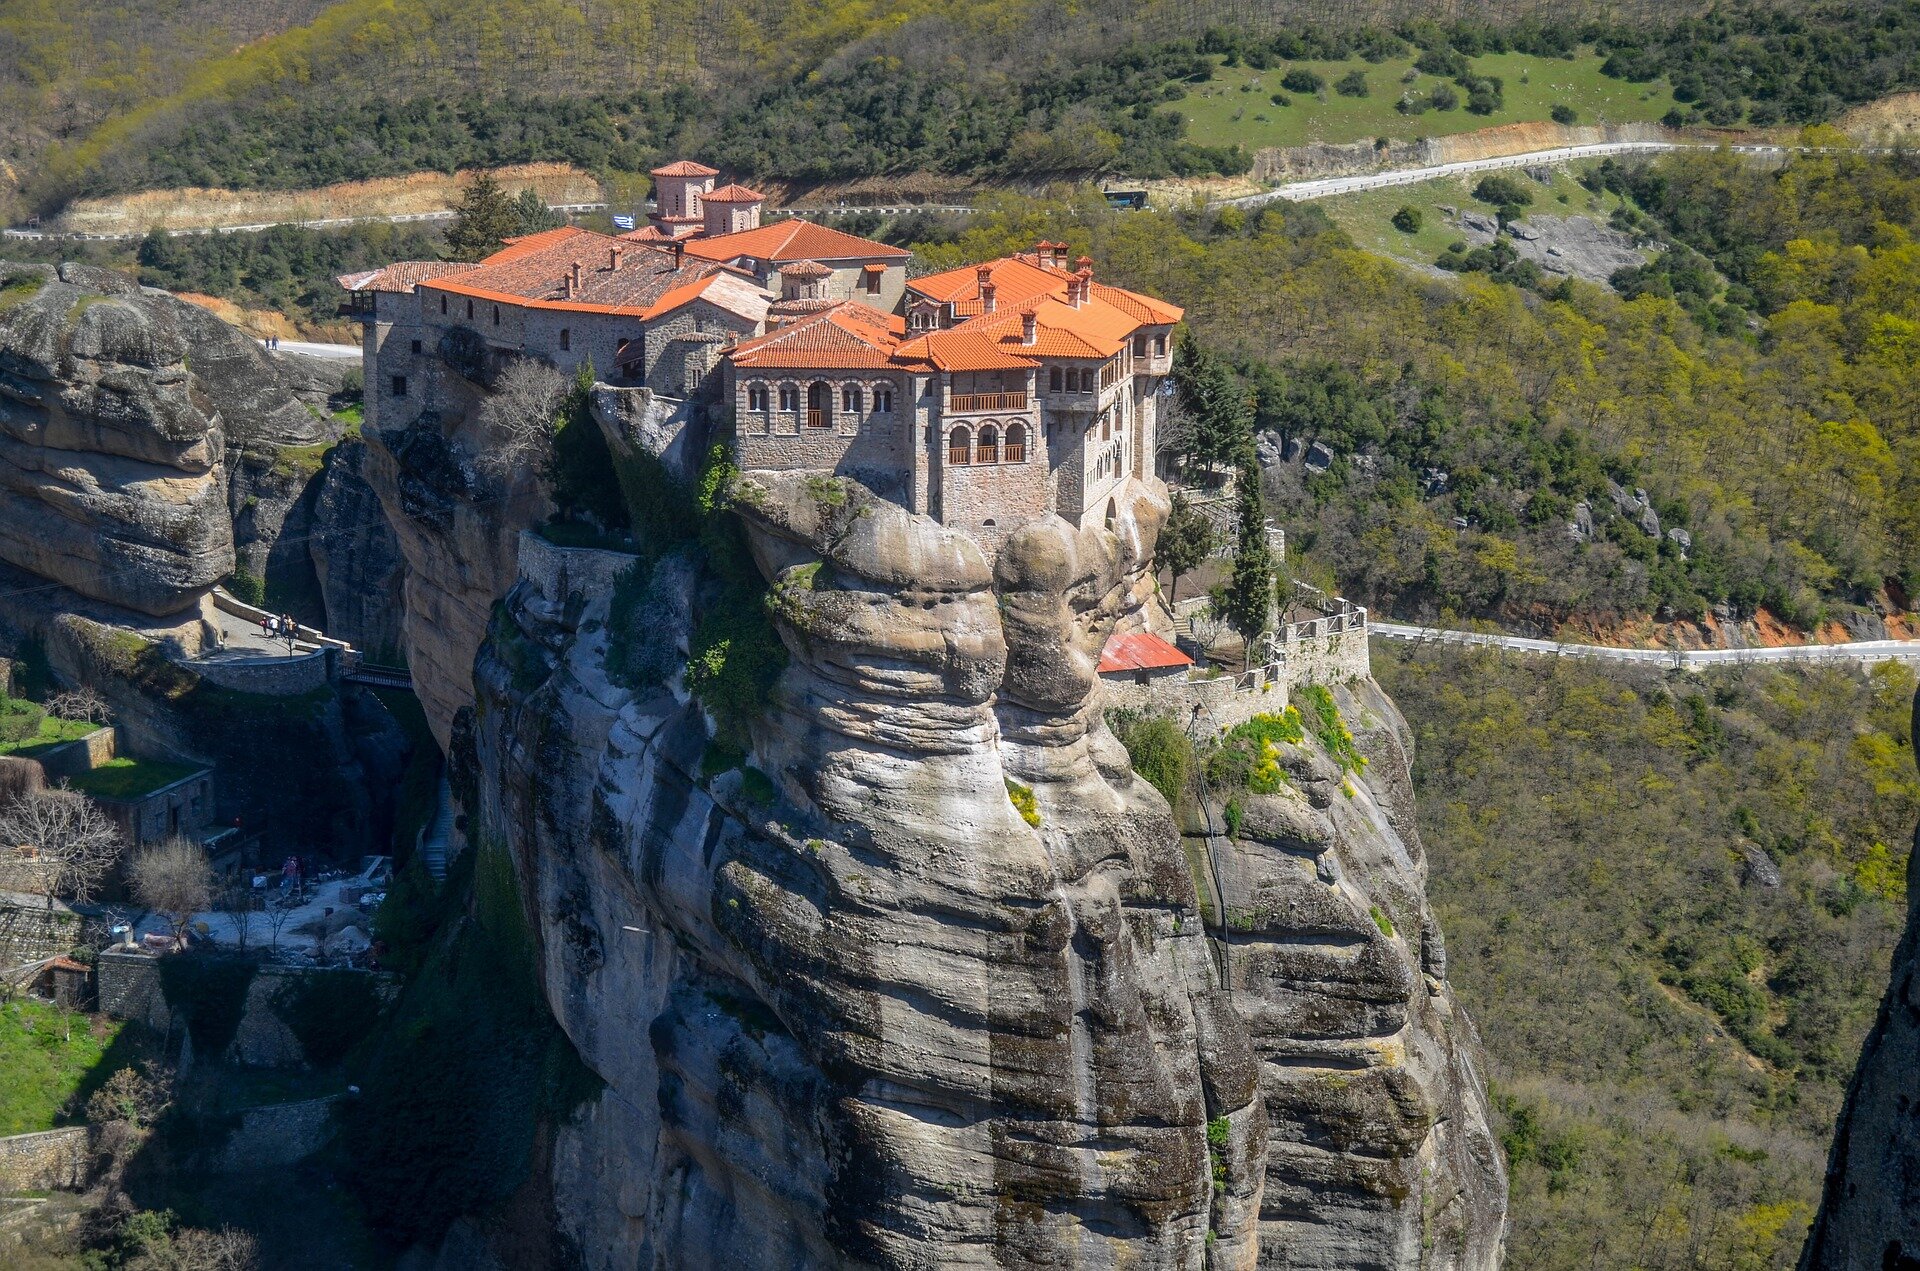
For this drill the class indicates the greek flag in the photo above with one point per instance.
(623, 222)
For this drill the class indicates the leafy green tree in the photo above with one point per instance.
(1302, 80)
(1352, 84)
(533, 214)
(1185, 541)
(1407, 219)
(485, 219)
(1563, 113)
(1245, 600)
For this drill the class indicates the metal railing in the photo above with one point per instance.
(988, 401)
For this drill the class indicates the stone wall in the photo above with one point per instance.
(30, 931)
(278, 1134)
(49, 1160)
(556, 572)
(80, 756)
(130, 988)
(180, 807)
(270, 676)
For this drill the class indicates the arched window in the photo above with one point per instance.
(566, 339)
(1112, 512)
(1053, 378)
(756, 397)
(443, 306)
(1016, 443)
(883, 401)
(988, 450)
(819, 405)
(850, 399)
(960, 447)
(496, 315)
(469, 311)
(789, 397)
(1106, 427)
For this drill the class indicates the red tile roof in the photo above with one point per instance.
(733, 194)
(791, 239)
(400, 276)
(685, 168)
(849, 336)
(1141, 651)
(962, 350)
(1015, 279)
(532, 272)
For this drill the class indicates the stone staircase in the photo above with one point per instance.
(438, 833)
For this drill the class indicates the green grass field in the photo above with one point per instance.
(1367, 216)
(47, 1056)
(53, 732)
(130, 778)
(1235, 105)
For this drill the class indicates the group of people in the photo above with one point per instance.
(282, 627)
(272, 342)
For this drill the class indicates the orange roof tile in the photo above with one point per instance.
(791, 239)
(733, 194)
(959, 350)
(532, 272)
(720, 289)
(848, 336)
(401, 275)
(1141, 651)
(1148, 309)
(685, 168)
(648, 234)
(1015, 279)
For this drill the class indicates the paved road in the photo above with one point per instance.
(341, 352)
(1690, 659)
(329, 222)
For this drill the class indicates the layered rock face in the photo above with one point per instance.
(854, 1005)
(1869, 1216)
(117, 408)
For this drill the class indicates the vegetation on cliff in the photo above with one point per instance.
(1670, 1033)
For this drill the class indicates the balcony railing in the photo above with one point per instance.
(987, 452)
(1016, 452)
(818, 419)
(958, 457)
(969, 402)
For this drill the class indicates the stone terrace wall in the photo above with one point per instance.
(130, 988)
(45, 1161)
(268, 675)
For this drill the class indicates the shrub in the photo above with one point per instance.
(1502, 191)
(1323, 719)
(1443, 97)
(1407, 220)
(1158, 749)
(249, 589)
(1301, 80)
(1281, 99)
(1352, 84)
(1563, 113)
(1023, 802)
(19, 720)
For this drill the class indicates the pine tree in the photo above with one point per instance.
(1208, 391)
(533, 214)
(484, 220)
(1185, 541)
(1245, 600)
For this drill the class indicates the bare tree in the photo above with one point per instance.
(174, 878)
(520, 417)
(277, 917)
(80, 704)
(236, 902)
(70, 843)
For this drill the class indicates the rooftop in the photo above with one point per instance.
(1140, 651)
(616, 275)
(400, 276)
(792, 239)
(733, 194)
(849, 335)
(685, 168)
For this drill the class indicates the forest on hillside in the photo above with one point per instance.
(107, 100)
(1670, 1027)
(1785, 444)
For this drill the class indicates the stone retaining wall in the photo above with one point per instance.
(556, 573)
(49, 1160)
(76, 757)
(278, 1134)
(130, 988)
(268, 675)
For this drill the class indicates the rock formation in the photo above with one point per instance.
(1869, 1216)
(356, 558)
(118, 408)
(926, 981)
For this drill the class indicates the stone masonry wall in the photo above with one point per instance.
(130, 988)
(52, 1159)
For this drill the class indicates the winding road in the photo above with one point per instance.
(1863, 651)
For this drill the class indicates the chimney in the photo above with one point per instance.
(679, 250)
(613, 258)
(1059, 255)
(1081, 287)
(1086, 266)
(573, 279)
(1029, 328)
(986, 297)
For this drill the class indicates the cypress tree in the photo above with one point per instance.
(485, 219)
(1245, 600)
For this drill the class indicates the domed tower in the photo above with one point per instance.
(678, 190)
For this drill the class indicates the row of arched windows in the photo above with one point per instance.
(988, 446)
(854, 398)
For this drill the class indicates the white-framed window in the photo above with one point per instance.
(850, 398)
(756, 397)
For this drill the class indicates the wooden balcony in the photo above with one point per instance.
(1016, 452)
(819, 419)
(973, 403)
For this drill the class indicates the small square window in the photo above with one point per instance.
(416, 348)
(399, 386)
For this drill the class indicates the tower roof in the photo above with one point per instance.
(792, 239)
(733, 194)
(685, 168)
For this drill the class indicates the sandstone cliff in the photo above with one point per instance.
(118, 409)
(1869, 1216)
(855, 1005)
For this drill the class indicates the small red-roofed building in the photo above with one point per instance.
(1141, 657)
